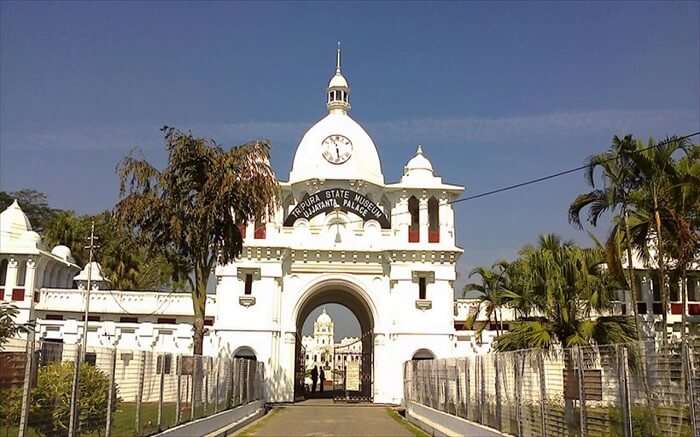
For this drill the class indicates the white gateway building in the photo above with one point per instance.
(386, 251)
(342, 235)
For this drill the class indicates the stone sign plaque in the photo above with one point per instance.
(352, 376)
(337, 198)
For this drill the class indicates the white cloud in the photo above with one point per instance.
(496, 130)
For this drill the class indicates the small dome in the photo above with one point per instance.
(96, 274)
(418, 165)
(14, 221)
(62, 252)
(338, 81)
(324, 318)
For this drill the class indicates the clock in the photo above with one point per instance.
(336, 149)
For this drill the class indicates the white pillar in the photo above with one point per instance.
(445, 222)
(11, 278)
(402, 219)
(29, 281)
(423, 219)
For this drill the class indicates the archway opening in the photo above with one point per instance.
(245, 352)
(335, 332)
(423, 354)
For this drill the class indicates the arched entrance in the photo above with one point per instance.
(357, 380)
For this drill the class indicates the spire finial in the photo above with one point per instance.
(337, 59)
(420, 150)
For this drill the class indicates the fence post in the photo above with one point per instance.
(74, 395)
(467, 388)
(27, 386)
(543, 392)
(110, 392)
(482, 389)
(206, 371)
(622, 372)
(446, 387)
(690, 372)
(196, 372)
(581, 391)
(228, 377)
(519, 365)
(178, 371)
(234, 382)
(458, 386)
(139, 393)
(160, 391)
(497, 386)
(216, 385)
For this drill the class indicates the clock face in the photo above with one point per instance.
(336, 149)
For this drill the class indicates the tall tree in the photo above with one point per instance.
(619, 179)
(682, 206)
(654, 163)
(189, 210)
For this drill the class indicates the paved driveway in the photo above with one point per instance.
(324, 418)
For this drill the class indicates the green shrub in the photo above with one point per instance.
(10, 408)
(49, 414)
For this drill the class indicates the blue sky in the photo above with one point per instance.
(495, 92)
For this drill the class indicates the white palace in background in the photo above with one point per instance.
(320, 349)
(342, 234)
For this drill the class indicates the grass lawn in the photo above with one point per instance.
(417, 432)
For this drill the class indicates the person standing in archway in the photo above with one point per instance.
(322, 378)
(314, 379)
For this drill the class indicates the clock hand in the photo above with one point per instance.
(337, 152)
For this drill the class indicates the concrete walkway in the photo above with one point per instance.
(320, 417)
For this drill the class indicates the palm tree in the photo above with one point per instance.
(619, 179)
(683, 207)
(655, 166)
(574, 299)
(491, 289)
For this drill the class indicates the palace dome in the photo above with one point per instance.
(360, 158)
(324, 318)
(363, 163)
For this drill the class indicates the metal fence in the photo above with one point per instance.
(640, 389)
(120, 392)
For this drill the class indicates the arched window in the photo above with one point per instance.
(21, 273)
(423, 354)
(260, 229)
(414, 227)
(287, 206)
(3, 272)
(386, 208)
(433, 220)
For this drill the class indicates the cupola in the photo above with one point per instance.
(418, 166)
(323, 318)
(338, 89)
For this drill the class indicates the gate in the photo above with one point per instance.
(353, 370)
(299, 371)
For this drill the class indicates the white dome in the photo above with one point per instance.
(418, 169)
(363, 164)
(14, 221)
(338, 81)
(96, 274)
(324, 318)
(62, 252)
